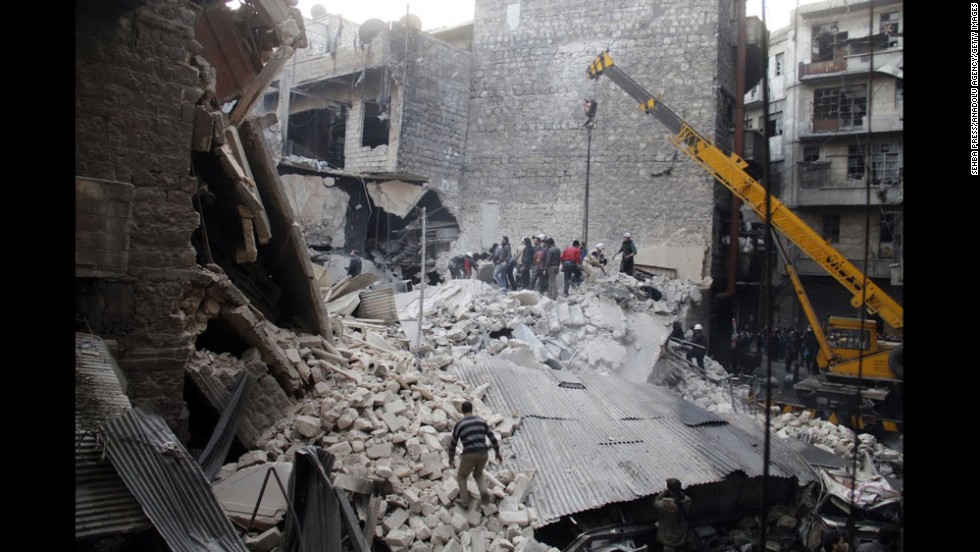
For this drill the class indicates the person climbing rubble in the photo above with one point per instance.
(698, 347)
(473, 432)
(571, 264)
(628, 251)
(595, 261)
(354, 267)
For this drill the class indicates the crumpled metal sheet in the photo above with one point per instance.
(168, 483)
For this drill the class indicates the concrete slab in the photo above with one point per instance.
(239, 492)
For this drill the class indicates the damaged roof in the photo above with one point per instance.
(103, 504)
(597, 440)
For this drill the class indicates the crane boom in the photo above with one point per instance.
(729, 170)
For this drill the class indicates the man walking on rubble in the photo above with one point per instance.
(474, 433)
(628, 251)
(673, 508)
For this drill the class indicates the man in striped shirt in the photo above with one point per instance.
(474, 432)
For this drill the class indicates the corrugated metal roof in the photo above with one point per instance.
(103, 504)
(615, 440)
(168, 483)
(99, 384)
(378, 304)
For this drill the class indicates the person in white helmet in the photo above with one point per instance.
(698, 347)
(594, 262)
(628, 251)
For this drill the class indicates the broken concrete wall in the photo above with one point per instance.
(134, 109)
(526, 145)
(320, 206)
(435, 112)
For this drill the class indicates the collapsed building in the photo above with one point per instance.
(197, 210)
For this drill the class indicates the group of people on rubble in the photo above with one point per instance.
(536, 261)
(797, 348)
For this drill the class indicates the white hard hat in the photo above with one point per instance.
(598, 246)
(626, 234)
(697, 326)
(541, 237)
(469, 254)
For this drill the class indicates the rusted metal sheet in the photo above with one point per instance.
(234, 63)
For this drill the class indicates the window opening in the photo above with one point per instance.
(831, 228)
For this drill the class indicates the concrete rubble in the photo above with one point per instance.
(386, 414)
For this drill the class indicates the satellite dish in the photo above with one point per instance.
(412, 21)
(370, 29)
(318, 11)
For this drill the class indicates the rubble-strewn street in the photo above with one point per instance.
(319, 259)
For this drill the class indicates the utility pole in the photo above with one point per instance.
(590, 108)
(418, 338)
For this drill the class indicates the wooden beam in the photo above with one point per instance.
(261, 82)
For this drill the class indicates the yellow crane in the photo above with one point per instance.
(850, 348)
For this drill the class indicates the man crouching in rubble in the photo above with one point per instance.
(673, 529)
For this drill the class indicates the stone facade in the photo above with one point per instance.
(134, 108)
(526, 144)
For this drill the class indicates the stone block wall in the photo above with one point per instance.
(526, 144)
(135, 96)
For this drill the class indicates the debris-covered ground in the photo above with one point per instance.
(385, 408)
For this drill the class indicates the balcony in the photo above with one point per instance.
(877, 268)
(888, 62)
(821, 128)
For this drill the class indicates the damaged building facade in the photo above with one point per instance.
(835, 123)
(487, 118)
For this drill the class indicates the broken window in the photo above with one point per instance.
(855, 162)
(748, 124)
(836, 109)
(827, 43)
(779, 64)
(887, 232)
(376, 128)
(775, 125)
(811, 154)
(853, 106)
(889, 25)
(831, 228)
(319, 134)
(899, 94)
(885, 159)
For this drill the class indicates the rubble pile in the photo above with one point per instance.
(388, 426)
(610, 327)
(714, 394)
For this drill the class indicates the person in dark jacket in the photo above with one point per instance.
(552, 262)
(628, 251)
(501, 261)
(354, 268)
(673, 507)
(525, 265)
(886, 541)
(677, 332)
(698, 347)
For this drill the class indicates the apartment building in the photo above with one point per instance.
(835, 137)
